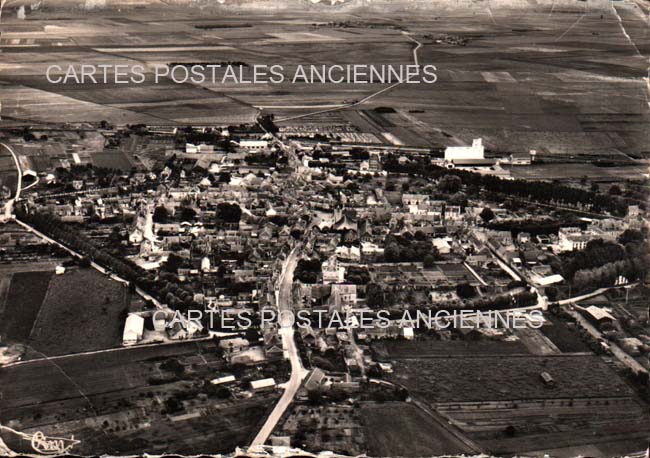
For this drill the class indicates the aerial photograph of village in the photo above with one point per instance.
(325, 228)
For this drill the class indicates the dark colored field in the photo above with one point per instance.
(400, 349)
(563, 338)
(24, 299)
(112, 160)
(401, 429)
(83, 311)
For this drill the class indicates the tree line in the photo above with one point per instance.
(165, 288)
(540, 191)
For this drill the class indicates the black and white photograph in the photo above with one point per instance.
(325, 228)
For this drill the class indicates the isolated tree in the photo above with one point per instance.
(615, 190)
(188, 214)
(487, 214)
(374, 296)
(160, 214)
(465, 291)
(450, 183)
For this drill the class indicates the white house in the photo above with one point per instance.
(332, 271)
(442, 245)
(572, 238)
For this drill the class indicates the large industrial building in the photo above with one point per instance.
(476, 151)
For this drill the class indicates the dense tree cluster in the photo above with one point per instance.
(535, 226)
(307, 270)
(595, 254)
(228, 213)
(357, 275)
(406, 249)
(601, 263)
(539, 191)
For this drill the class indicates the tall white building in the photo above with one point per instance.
(476, 151)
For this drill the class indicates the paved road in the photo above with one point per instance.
(285, 304)
(583, 297)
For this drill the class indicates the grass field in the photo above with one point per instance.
(23, 302)
(401, 429)
(83, 311)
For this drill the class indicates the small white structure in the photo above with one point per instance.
(408, 333)
(254, 144)
(332, 271)
(205, 264)
(159, 322)
(262, 384)
(59, 270)
(550, 280)
(133, 329)
(476, 151)
(205, 149)
(224, 379)
(202, 148)
(442, 245)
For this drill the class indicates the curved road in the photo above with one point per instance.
(284, 302)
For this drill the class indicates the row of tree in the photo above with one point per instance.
(165, 288)
(540, 191)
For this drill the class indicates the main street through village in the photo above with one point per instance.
(284, 300)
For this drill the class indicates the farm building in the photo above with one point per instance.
(133, 328)
(598, 316)
(263, 384)
(223, 379)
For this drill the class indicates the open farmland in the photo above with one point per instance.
(71, 320)
(501, 403)
(495, 378)
(565, 340)
(401, 429)
(596, 427)
(416, 275)
(22, 304)
(522, 81)
(403, 349)
(109, 403)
